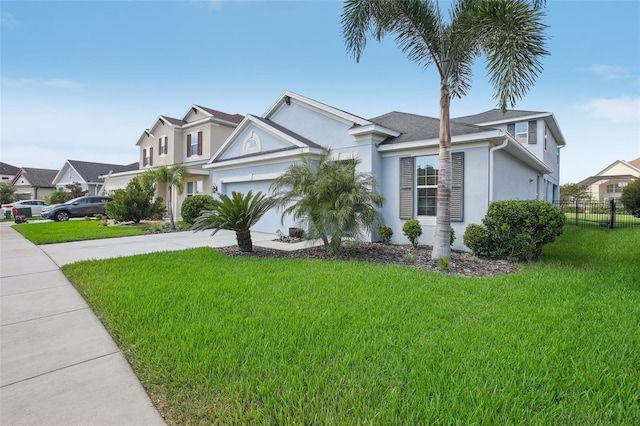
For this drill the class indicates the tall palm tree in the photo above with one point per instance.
(330, 197)
(236, 213)
(172, 176)
(510, 33)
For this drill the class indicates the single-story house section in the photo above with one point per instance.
(32, 183)
(515, 156)
(495, 157)
(89, 175)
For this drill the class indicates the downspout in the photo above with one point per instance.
(491, 178)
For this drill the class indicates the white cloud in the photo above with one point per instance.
(56, 83)
(611, 72)
(620, 110)
(8, 21)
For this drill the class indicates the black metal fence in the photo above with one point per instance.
(604, 214)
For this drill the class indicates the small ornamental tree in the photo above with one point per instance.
(58, 197)
(631, 197)
(135, 202)
(236, 213)
(193, 206)
(515, 229)
(75, 190)
(7, 194)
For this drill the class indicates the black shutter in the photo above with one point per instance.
(406, 187)
(151, 156)
(188, 145)
(199, 143)
(532, 133)
(511, 128)
(457, 187)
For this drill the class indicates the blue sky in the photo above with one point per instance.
(81, 80)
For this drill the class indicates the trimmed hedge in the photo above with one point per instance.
(193, 206)
(515, 230)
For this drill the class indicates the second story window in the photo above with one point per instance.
(194, 144)
(163, 143)
(147, 157)
(522, 134)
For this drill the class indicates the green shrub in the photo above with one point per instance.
(385, 233)
(58, 197)
(475, 237)
(516, 229)
(631, 197)
(135, 203)
(412, 230)
(452, 237)
(193, 206)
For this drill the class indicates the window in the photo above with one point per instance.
(419, 186)
(195, 187)
(147, 157)
(163, 143)
(522, 132)
(252, 144)
(615, 187)
(426, 184)
(194, 144)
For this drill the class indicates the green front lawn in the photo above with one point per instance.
(74, 230)
(219, 340)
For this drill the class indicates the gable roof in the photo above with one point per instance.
(495, 116)
(413, 127)
(287, 97)
(635, 163)
(41, 178)
(234, 118)
(8, 169)
(91, 172)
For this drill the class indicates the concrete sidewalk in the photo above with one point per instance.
(58, 364)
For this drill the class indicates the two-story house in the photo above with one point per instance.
(191, 141)
(607, 184)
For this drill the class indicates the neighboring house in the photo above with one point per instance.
(190, 140)
(89, 175)
(32, 184)
(493, 158)
(608, 183)
(7, 173)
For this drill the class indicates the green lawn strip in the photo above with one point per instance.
(273, 341)
(75, 230)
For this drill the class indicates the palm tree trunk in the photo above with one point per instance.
(244, 240)
(170, 210)
(441, 246)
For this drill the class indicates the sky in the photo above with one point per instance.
(81, 80)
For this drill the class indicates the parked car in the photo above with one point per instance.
(78, 207)
(35, 206)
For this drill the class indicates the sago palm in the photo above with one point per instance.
(236, 213)
(510, 34)
(331, 198)
(173, 177)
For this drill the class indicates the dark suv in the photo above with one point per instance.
(78, 207)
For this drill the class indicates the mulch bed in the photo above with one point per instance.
(461, 263)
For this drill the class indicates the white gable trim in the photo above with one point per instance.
(343, 116)
(244, 125)
(268, 158)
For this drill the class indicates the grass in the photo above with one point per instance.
(74, 230)
(219, 340)
(597, 219)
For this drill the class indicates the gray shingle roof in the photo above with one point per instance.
(414, 127)
(234, 118)
(287, 132)
(495, 115)
(172, 120)
(41, 178)
(8, 169)
(90, 172)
